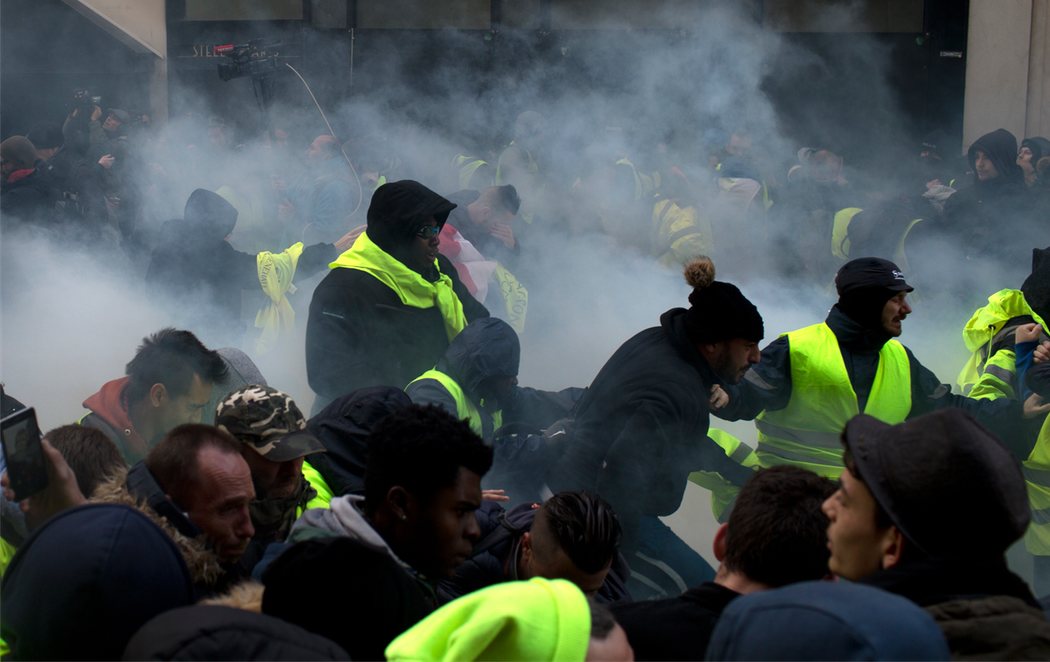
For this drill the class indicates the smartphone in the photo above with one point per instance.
(26, 465)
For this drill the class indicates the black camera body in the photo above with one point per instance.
(257, 59)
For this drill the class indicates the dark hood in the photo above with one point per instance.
(212, 632)
(398, 209)
(486, 348)
(86, 605)
(208, 216)
(343, 427)
(1001, 147)
(1039, 145)
(1036, 288)
(674, 324)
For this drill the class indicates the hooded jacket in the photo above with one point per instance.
(86, 605)
(109, 413)
(540, 619)
(343, 427)
(360, 333)
(344, 518)
(641, 427)
(986, 215)
(194, 264)
(485, 349)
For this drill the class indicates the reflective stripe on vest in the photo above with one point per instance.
(806, 432)
(997, 381)
(986, 328)
(465, 409)
(467, 166)
(1037, 480)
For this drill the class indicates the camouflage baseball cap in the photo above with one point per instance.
(268, 421)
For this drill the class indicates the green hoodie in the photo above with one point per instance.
(540, 619)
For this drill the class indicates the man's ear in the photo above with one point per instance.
(719, 545)
(399, 502)
(158, 394)
(892, 543)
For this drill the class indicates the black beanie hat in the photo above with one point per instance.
(718, 311)
(865, 285)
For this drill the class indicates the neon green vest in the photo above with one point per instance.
(324, 492)
(981, 333)
(806, 432)
(465, 409)
(1037, 477)
(723, 493)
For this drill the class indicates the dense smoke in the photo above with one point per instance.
(654, 96)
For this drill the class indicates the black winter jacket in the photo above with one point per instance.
(359, 332)
(343, 427)
(641, 427)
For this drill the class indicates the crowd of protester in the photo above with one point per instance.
(428, 507)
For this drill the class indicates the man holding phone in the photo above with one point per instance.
(168, 383)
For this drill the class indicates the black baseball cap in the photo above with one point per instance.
(870, 272)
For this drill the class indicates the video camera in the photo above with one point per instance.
(82, 98)
(257, 58)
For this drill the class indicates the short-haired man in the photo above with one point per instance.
(926, 509)
(168, 383)
(812, 380)
(573, 535)
(90, 454)
(274, 443)
(774, 537)
(202, 471)
(422, 486)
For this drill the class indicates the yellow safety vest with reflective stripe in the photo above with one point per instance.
(723, 493)
(465, 409)
(317, 481)
(983, 331)
(1037, 477)
(806, 433)
(515, 297)
(679, 234)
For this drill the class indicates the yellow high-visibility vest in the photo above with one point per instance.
(806, 433)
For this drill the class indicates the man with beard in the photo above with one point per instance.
(641, 428)
(275, 441)
(812, 380)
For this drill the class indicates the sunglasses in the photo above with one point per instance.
(428, 232)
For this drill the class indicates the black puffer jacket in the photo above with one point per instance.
(343, 427)
(485, 349)
(359, 332)
(641, 427)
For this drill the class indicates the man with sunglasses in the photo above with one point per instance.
(391, 304)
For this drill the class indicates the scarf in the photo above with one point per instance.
(410, 287)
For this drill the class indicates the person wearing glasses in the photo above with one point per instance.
(391, 304)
